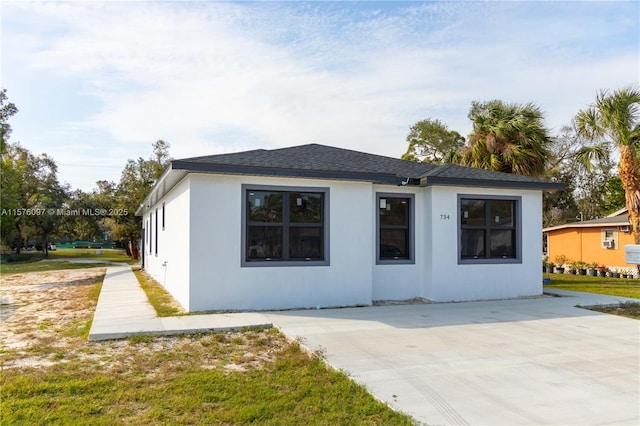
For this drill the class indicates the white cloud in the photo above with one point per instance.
(214, 77)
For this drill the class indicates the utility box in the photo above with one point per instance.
(632, 253)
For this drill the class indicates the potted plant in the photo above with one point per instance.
(550, 267)
(571, 267)
(602, 271)
(581, 267)
(593, 269)
(560, 260)
(615, 274)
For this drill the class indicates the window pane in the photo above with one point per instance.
(264, 242)
(472, 212)
(305, 243)
(503, 243)
(501, 213)
(472, 243)
(394, 244)
(264, 206)
(394, 211)
(305, 207)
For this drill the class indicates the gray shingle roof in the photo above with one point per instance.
(311, 160)
(322, 161)
(326, 162)
(453, 174)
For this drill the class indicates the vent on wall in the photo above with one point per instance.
(607, 244)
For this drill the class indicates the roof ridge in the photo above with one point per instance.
(188, 159)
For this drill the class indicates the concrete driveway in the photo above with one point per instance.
(517, 362)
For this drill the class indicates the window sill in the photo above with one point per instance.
(489, 261)
(395, 262)
(282, 263)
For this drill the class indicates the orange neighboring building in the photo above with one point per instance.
(598, 241)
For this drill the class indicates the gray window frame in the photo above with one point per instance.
(277, 263)
(412, 208)
(150, 232)
(156, 242)
(518, 228)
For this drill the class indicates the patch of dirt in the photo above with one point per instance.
(45, 318)
(627, 309)
(43, 311)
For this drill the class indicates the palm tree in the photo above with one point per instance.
(507, 138)
(615, 117)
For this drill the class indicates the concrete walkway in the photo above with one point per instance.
(123, 310)
(540, 361)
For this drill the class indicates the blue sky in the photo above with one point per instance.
(97, 83)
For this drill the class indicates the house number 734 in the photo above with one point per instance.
(444, 217)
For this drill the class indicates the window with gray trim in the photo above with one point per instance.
(489, 228)
(395, 227)
(284, 225)
(156, 246)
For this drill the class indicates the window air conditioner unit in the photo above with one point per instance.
(625, 228)
(607, 244)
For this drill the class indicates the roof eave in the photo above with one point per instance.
(585, 225)
(485, 183)
(170, 178)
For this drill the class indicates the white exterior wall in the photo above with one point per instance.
(173, 243)
(218, 281)
(449, 281)
(401, 281)
(202, 247)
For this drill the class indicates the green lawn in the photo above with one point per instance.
(624, 287)
(111, 255)
(32, 261)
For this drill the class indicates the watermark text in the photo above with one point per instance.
(64, 212)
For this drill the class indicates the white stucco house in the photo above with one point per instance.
(319, 226)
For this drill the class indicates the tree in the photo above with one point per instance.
(614, 198)
(507, 138)
(137, 179)
(82, 226)
(615, 117)
(7, 109)
(431, 141)
(97, 224)
(559, 207)
(585, 168)
(30, 184)
(8, 180)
